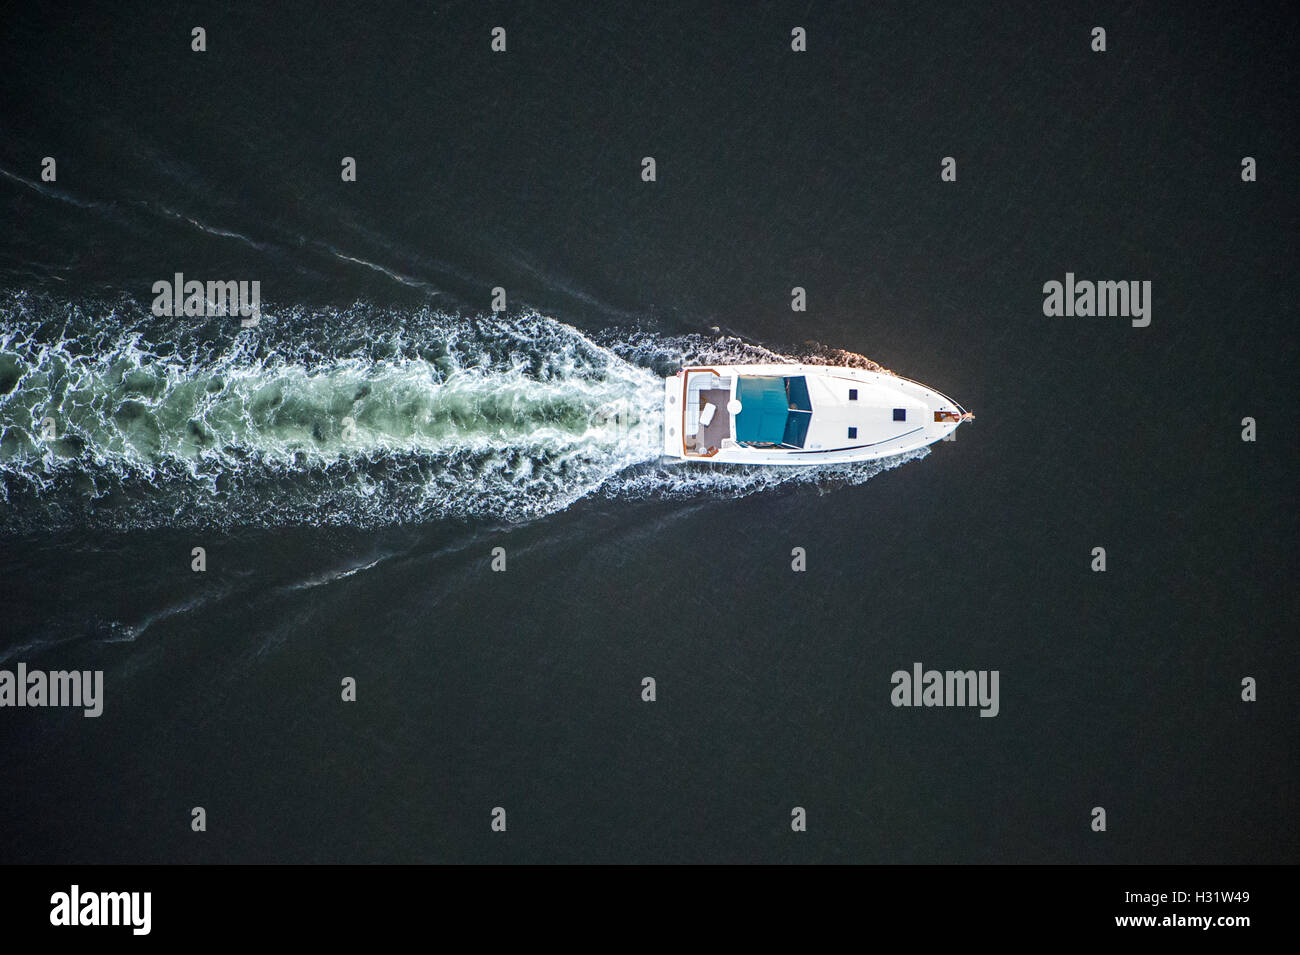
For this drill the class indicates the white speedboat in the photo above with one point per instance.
(800, 414)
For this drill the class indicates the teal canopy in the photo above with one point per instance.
(766, 416)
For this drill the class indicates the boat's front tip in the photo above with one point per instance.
(943, 416)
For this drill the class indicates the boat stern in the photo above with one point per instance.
(673, 438)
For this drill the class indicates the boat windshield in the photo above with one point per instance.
(774, 412)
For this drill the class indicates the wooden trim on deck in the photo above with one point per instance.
(686, 374)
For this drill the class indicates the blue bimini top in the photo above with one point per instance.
(773, 411)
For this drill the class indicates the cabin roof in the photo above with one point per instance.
(773, 410)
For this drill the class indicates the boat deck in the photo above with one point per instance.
(711, 435)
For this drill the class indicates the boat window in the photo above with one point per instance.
(796, 428)
(900, 414)
(796, 392)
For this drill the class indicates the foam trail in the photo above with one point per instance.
(350, 417)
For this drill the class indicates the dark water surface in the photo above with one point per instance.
(369, 557)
